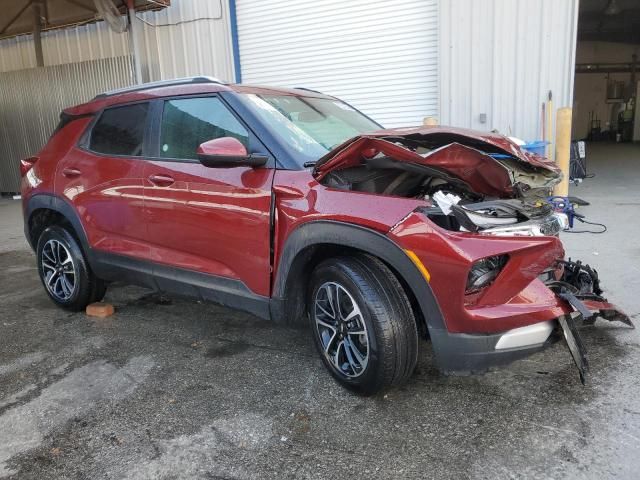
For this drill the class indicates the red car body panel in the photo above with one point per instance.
(107, 194)
(515, 299)
(40, 178)
(215, 221)
(301, 199)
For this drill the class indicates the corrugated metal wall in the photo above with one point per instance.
(378, 55)
(77, 44)
(397, 61)
(501, 58)
(31, 101)
(191, 37)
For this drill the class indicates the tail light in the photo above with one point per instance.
(484, 272)
(26, 164)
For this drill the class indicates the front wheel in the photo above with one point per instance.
(362, 323)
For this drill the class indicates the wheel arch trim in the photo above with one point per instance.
(336, 233)
(53, 202)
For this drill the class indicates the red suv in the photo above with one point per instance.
(292, 205)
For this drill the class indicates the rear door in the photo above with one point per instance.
(102, 179)
(213, 221)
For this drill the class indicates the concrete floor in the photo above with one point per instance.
(188, 390)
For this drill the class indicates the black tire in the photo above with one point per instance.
(385, 310)
(86, 287)
(98, 291)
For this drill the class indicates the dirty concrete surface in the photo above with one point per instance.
(189, 390)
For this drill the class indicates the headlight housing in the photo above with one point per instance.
(549, 226)
(484, 272)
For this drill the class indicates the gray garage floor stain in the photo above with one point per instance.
(177, 389)
(65, 399)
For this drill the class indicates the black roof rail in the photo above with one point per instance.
(161, 83)
(311, 90)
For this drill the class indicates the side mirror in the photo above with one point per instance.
(227, 152)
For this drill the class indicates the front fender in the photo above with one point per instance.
(289, 291)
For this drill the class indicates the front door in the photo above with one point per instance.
(213, 221)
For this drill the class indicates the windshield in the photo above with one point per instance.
(308, 125)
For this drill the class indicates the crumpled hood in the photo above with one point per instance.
(472, 138)
(489, 162)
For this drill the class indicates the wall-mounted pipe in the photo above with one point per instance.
(37, 30)
(134, 40)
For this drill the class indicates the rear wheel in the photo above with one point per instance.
(362, 323)
(64, 271)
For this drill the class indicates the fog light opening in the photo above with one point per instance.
(484, 272)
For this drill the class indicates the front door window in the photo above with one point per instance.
(187, 123)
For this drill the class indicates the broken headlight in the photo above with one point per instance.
(548, 226)
(484, 272)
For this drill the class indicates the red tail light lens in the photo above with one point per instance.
(26, 164)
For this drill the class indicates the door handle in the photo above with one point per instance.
(161, 180)
(71, 172)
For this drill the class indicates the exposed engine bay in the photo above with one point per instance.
(450, 202)
(464, 188)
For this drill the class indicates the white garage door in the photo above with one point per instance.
(379, 55)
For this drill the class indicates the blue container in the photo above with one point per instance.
(537, 147)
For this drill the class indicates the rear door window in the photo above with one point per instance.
(120, 130)
(188, 122)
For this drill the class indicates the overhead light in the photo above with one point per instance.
(612, 8)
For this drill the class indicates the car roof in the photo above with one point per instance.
(180, 86)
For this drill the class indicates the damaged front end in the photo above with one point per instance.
(496, 263)
(577, 281)
(579, 285)
(469, 182)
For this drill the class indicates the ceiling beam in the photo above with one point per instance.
(606, 67)
(82, 5)
(37, 30)
(629, 14)
(621, 28)
(632, 37)
(57, 14)
(16, 16)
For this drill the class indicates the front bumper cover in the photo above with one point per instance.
(534, 287)
(465, 354)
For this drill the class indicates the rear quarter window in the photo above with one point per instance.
(120, 130)
(66, 119)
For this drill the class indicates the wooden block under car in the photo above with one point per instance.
(100, 309)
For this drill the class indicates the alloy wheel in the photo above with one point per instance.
(58, 270)
(341, 329)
